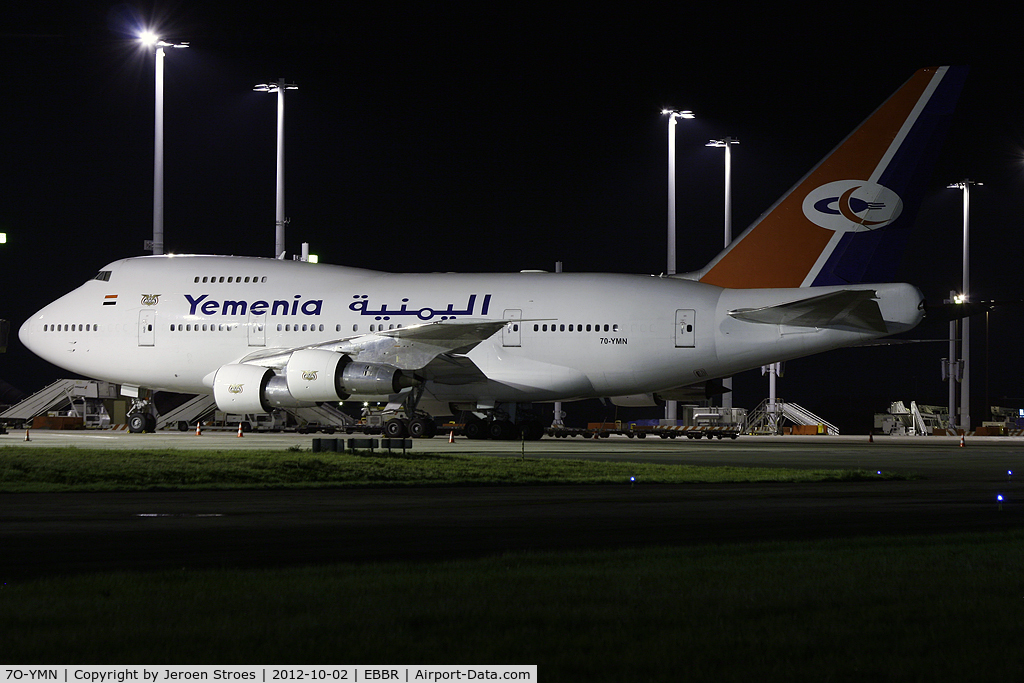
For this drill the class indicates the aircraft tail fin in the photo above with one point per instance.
(847, 221)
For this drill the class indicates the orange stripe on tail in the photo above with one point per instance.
(785, 248)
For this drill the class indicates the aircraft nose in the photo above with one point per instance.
(31, 333)
(25, 334)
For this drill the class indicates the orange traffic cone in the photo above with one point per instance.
(26, 435)
(199, 429)
(961, 441)
(451, 436)
(239, 429)
(871, 436)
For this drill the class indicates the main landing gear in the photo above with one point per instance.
(421, 426)
(502, 426)
(504, 422)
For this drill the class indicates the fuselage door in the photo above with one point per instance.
(258, 329)
(147, 327)
(685, 318)
(511, 334)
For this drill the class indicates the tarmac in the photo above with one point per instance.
(954, 490)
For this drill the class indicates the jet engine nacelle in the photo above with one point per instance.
(317, 375)
(310, 377)
(241, 388)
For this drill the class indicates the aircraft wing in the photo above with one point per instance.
(848, 309)
(406, 348)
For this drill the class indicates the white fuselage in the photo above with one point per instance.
(170, 322)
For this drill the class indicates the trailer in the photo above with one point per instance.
(641, 429)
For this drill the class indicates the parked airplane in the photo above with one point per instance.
(261, 334)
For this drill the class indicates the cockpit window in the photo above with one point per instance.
(103, 275)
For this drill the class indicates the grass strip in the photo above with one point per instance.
(916, 608)
(73, 469)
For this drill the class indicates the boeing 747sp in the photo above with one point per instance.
(260, 334)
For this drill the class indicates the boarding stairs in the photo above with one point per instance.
(918, 420)
(189, 412)
(81, 397)
(323, 414)
(762, 420)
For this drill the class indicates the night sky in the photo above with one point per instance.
(488, 137)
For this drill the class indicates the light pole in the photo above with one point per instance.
(673, 115)
(279, 87)
(150, 39)
(965, 297)
(727, 143)
(558, 416)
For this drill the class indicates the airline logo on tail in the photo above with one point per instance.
(847, 220)
(852, 206)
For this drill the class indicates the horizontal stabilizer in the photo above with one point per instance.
(850, 309)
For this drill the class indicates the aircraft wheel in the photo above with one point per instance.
(476, 429)
(182, 426)
(137, 423)
(503, 430)
(422, 428)
(396, 429)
